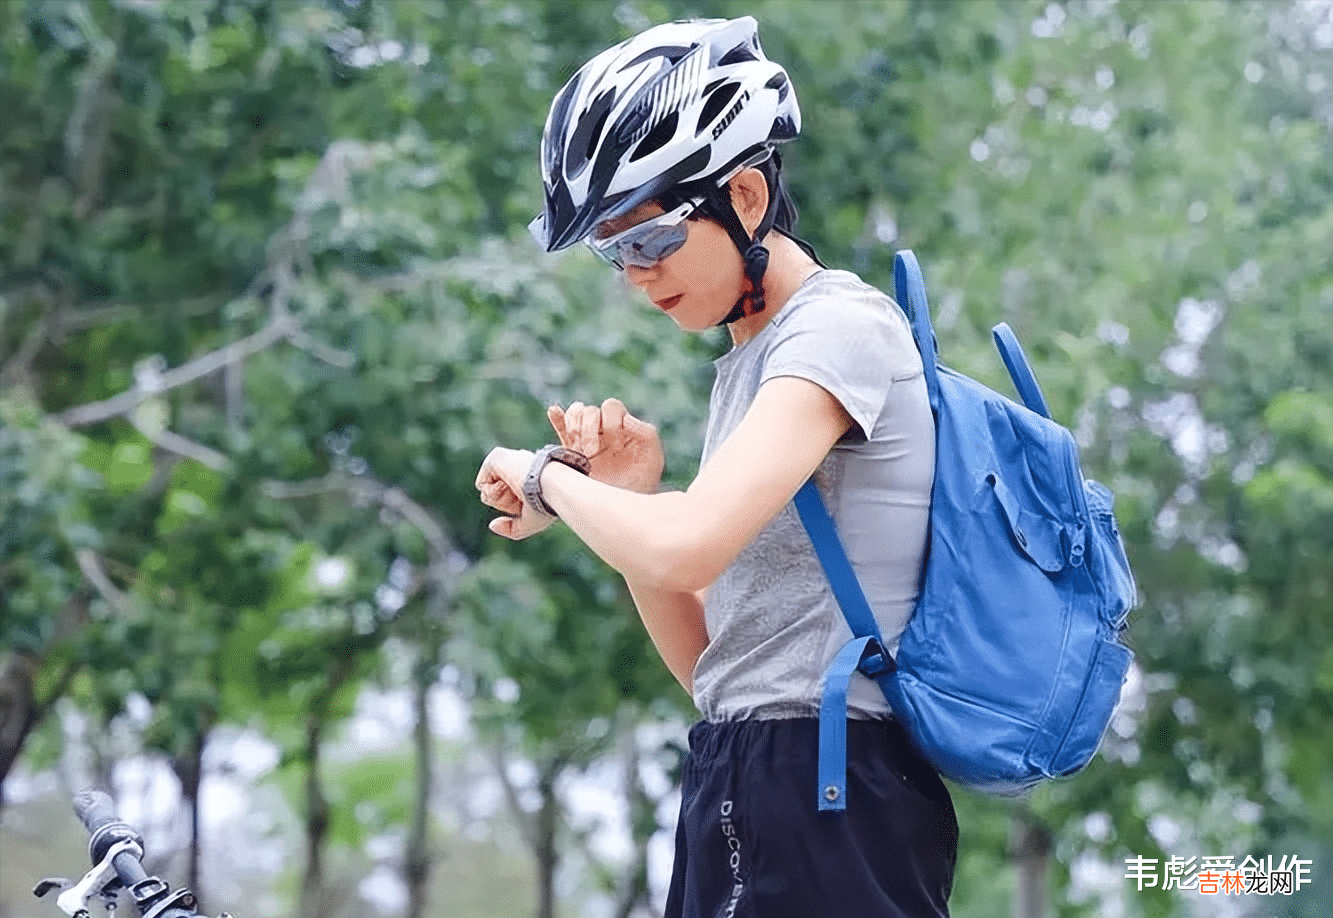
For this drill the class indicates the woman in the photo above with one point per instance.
(661, 154)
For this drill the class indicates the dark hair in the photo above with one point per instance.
(719, 196)
(717, 207)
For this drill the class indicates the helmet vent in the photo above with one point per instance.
(673, 54)
(715, 105)
(587, 134)
(738, 55)
(657, 138)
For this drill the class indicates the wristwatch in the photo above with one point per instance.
(532, 485)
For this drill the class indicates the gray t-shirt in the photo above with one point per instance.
(773, 623)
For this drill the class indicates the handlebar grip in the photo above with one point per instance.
(96, 809)
(105, 829)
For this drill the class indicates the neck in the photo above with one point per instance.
(788, 267)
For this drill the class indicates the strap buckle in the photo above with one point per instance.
(877, 662)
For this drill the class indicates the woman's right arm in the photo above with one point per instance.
(675, 622)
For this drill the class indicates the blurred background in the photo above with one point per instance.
(266, 300)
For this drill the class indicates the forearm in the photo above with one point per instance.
(648, 538)
(675, 622)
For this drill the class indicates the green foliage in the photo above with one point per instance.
(44, 491)
(1143, 189)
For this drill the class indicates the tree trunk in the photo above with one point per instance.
(189, 769)
(539, 829)
(21, 711)
(18, 709)
(316, 825)
(417, 854)
(632, 897)
(312, 904)
(545, 849)
(1030, 848)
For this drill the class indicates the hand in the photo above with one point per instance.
(500, 482)
(625, 451)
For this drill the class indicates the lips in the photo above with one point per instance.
(669, 303)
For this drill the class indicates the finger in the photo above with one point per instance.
(519, 527)
(502, 498)
(613, 416)
(502, 526)
(490, 468)
(591, 426)
(488, 495)
(505, 466)
(639, 428)
(556, 415)
(485, 477)
(511, 503)
(574, 426)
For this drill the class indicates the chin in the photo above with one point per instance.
(692, 323)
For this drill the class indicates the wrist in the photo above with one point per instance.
(532, 484)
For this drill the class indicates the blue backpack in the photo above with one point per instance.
(1011, 665)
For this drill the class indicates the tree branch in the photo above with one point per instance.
(181, 446)
(321, 351)
(91, 566)
(278, 278)
(276, 330)
(15, 369)
(391, 498)
(526, 822)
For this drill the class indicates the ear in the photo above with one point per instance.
(749, 196)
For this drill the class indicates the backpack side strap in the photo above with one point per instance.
(1016, 362)
(860, 654)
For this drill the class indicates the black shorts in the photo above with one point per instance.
(751, 842)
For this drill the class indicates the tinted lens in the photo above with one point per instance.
(649, 242)
(652, 245)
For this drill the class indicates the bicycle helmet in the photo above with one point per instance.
(686, 103)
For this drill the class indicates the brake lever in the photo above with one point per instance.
(74, 900)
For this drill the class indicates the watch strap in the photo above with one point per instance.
(532, 484)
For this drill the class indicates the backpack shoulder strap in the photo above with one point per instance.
(910, 290)
(863, 653)
(833, 558)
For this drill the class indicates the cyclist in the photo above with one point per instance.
(661, 154)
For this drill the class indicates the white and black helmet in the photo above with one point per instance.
(690, 102)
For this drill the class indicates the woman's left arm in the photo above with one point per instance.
(682, 541)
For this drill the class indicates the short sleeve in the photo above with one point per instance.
(853, 343)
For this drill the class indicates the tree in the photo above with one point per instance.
(266, 302)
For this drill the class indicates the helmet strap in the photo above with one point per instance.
(755, 254)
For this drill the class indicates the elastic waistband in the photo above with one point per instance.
(785, 738)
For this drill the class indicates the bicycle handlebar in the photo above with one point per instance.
(105, 829)
(95, 808)
(116, 850)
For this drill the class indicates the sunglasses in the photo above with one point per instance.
(645, 244)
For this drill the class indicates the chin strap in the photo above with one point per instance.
(718, 207)
(752, 300)
(752, 250)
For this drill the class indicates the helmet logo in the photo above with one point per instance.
(731, 114)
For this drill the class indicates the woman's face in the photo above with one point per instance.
(699, 283)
